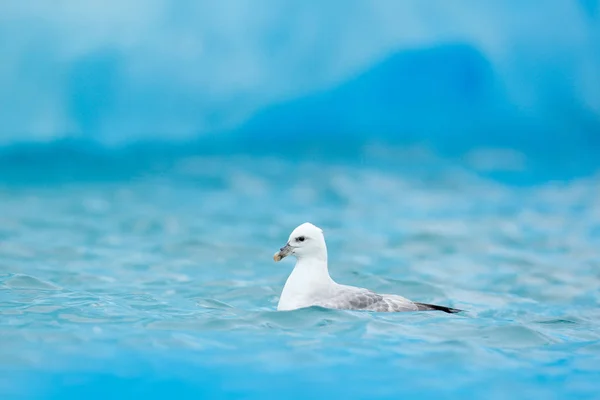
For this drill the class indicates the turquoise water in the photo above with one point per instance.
(121, 280)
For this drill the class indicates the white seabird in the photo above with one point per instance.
(309, 284)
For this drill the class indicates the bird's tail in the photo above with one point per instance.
(432, 307)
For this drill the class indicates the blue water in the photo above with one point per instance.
(128, 276)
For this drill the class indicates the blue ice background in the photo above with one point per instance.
(522, 74)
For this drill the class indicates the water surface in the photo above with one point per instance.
(161, 282)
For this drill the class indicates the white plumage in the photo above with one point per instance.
(310, 284)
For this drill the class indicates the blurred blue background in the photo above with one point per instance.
(523, 74)
(153, 154)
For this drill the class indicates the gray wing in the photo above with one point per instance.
(350, 298)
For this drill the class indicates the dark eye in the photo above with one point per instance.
(300, 238)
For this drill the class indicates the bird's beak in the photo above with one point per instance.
(283, 252)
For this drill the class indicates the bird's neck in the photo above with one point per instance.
(313, 266)
(311, 269)
(309, 279)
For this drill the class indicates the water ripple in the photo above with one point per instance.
(179, 266)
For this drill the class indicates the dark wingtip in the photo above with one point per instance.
(431, 307)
